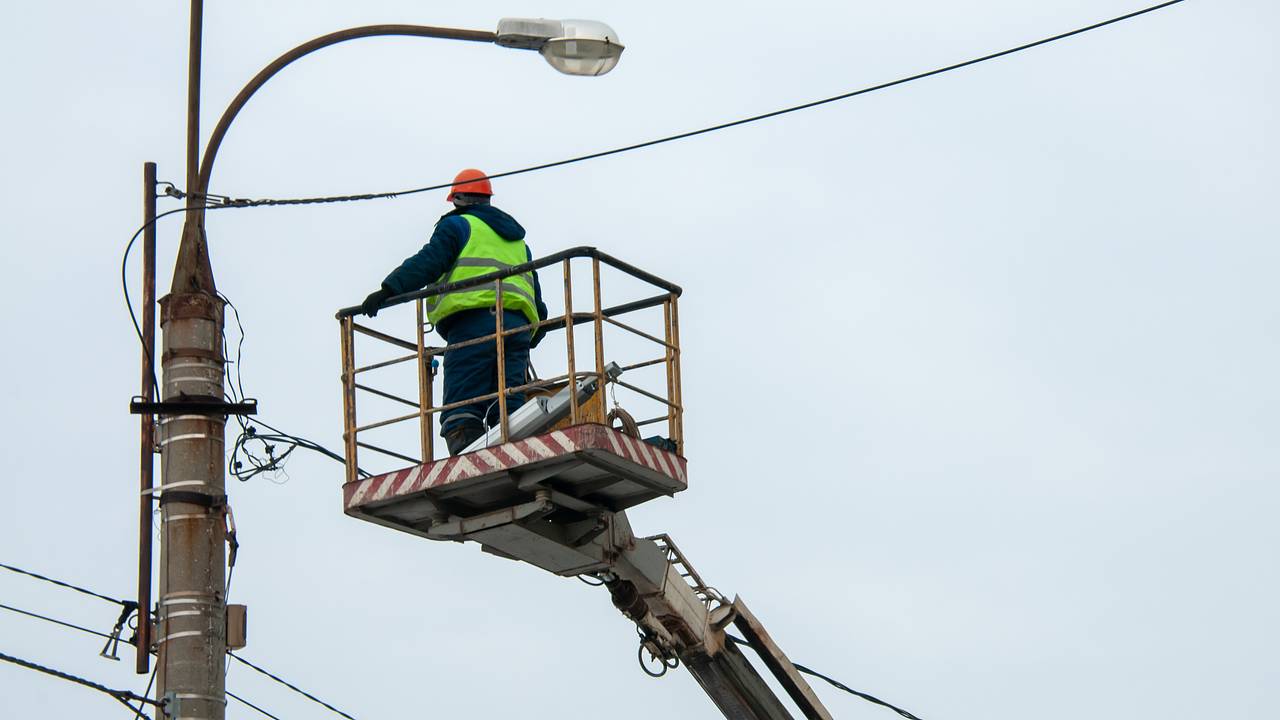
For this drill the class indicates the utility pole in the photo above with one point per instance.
(191, 642)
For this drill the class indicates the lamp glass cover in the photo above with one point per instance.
(586, 47)
(574, 56)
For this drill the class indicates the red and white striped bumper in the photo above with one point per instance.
(590, 462)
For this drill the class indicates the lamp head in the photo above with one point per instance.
(574, 47)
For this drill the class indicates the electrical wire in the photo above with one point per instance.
(290, 685)
(846, 688)
(146, 693)
(77, 588)
(230, 202)
(277, 678)
(63, 623)
(124, 696)
(238, 384)
(56, 621)
(836, 683)
(239, 699)
(244, 463)
(124, 278)
(214, 202)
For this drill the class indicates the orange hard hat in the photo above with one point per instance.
(471, 181)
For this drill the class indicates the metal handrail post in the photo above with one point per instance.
(670, 367)
(599, 328)
(574, 412)
(501, 346)
(349, 398)
(678, 397)
(424, 378)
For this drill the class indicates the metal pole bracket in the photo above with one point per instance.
(141, 406)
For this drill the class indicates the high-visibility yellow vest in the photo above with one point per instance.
(485, 252)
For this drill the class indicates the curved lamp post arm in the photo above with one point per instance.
(228, 115)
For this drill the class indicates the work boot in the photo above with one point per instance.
(462, 433)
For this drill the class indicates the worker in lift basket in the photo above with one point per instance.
(473, 239)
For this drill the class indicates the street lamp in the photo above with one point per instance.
(574, 47)
(192, 608)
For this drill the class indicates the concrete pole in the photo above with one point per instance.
(192, 602)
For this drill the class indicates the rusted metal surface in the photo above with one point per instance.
(778, 663)
(568, 341)
(424, 383)
(147, 446)
(707, 594)
(388, 421)
(644, 364)
(597, 464)
(349, 399)
(630, 329)
(582, 410)
(671, 369)
(646, 393)
(677, 397)
(734, 686)
(386, 363)
(405, 344)
(191, 638)
(552, 259)
(599, 331)
(201, 186)
(385, 451)
(501, 351)
(193, 306)
(387, 395)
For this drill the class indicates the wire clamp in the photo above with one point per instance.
(113, 641)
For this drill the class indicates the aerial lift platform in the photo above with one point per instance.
(550, 485)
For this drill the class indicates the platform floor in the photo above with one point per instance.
(591, 464)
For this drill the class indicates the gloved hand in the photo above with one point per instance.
(373, 303)
(537, 338)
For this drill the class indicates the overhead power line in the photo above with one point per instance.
(225, 201)
(63, 623)
(836, 683)
(241, 700)
(55, 621)
(290, 685)
(126, 697)
(851, 691)
(77, 588)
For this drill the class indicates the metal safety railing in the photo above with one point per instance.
(625, 320)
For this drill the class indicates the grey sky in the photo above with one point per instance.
(980, 371)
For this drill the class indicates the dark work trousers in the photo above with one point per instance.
(472, 371)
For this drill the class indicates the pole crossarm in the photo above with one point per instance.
(229, 115)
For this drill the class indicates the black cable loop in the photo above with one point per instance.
(124, 280)
(662, 663)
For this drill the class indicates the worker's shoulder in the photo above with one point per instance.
(451, 226)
